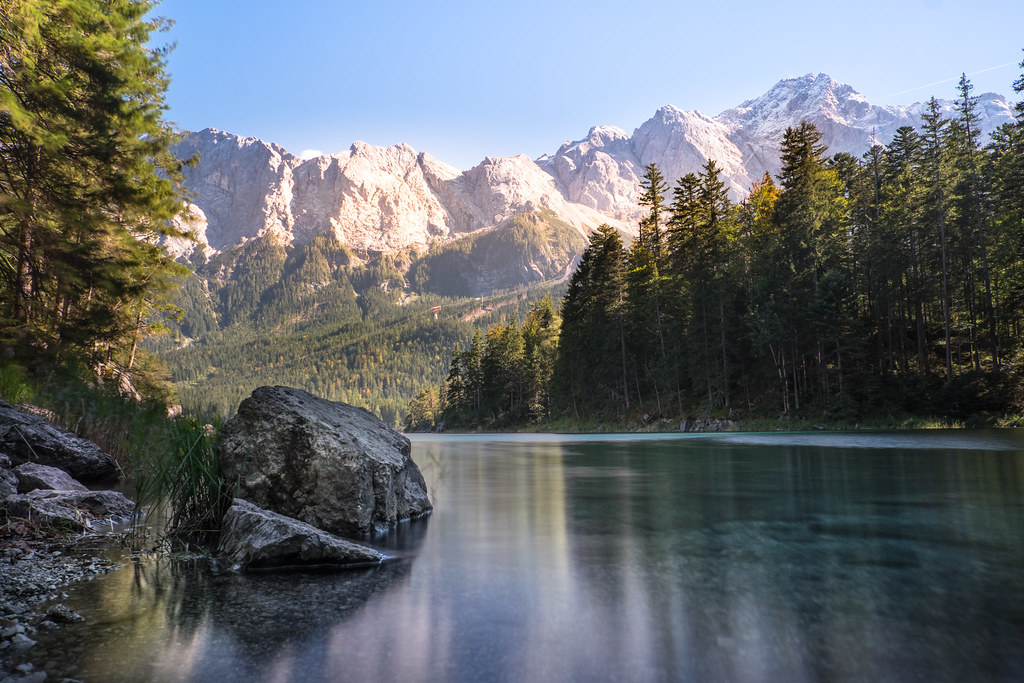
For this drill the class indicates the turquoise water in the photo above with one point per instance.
(747, 557)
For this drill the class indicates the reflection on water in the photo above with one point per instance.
(732, 557)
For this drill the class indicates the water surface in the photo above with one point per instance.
(746, 557)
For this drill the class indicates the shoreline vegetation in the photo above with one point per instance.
(751, 425)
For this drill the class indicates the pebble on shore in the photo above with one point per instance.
(35, 565)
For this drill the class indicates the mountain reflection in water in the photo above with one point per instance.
(842, 557)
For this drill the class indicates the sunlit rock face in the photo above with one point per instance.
(241, 186)
(394, 200)
(847, 121)
(603, 170)
(331, 465)
(373, 199)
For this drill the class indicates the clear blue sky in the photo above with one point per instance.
(465, 80)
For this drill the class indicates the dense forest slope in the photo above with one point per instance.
(368, 330)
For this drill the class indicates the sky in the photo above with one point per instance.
(466, 80)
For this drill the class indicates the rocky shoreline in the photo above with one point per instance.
(52, 530)
(309, 474)
(35, 567)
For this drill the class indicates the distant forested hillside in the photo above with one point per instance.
(370, 330)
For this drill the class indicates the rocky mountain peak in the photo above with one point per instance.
(393, 198)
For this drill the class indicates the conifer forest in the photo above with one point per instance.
(891, 284)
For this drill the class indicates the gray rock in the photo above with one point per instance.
(29, 438)
(63, 614)
(328, 464)
(8, 480)
(76, 510)
(32, 476)
(252, 538)
(20, 642)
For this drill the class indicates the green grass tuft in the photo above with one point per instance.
(179, 482)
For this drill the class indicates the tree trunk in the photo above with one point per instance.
(945, 293)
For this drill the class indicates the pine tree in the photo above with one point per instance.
(934, 172)
(903, 209)
(703, 238)
(592, 372)
(88, 181)
(503, 372)
(1005, 159)
(811, 241)
(540, 348)
(652, 196)
(973, 215)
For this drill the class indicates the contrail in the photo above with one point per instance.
(948, 80)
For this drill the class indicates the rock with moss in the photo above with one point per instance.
(328, 464)
(253, 538)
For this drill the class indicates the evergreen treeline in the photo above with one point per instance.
(503, 379)
(892, 284)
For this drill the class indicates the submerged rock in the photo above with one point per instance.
(32, 476)
(253, 538)
(62, 614)
(328, 464)
(29, 438)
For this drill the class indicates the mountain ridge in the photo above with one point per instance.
(395, 199)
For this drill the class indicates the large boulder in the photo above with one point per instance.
(32, 476)
(29, 438)
(328, 464)
(253, 538)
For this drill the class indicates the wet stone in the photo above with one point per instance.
(20, 642)
(63, 614)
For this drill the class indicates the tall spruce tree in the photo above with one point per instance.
(903, 209)
(1005, 157)
(652, 196)
(592, 371)
(934, 170)
(810, 242)
(973, 215)
(88, 184)
(540, 348)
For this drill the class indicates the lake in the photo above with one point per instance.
(735, 557)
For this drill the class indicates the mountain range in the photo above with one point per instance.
(354, 275)
(394, 200)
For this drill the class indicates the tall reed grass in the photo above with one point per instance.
(169, 463)
(179, 482)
